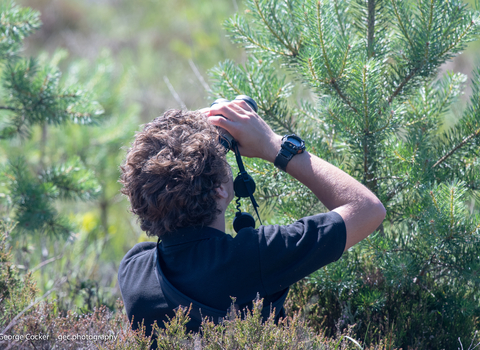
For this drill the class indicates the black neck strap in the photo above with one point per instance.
(246, 178)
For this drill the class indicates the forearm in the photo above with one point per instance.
(332, 186)
(361, 210)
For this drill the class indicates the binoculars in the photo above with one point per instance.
(243, 185)
(225, 138)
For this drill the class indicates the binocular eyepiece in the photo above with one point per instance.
(225, 138)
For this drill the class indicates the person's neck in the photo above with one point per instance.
(219, 222)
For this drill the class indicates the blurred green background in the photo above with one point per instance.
(140, 58)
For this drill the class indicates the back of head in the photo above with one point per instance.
(171, 172)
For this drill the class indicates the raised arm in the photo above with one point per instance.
(360, 209)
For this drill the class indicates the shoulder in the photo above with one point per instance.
(141, 252)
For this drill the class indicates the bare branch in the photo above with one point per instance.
(174, 93)
(198, 75)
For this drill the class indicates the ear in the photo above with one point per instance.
(222, 191)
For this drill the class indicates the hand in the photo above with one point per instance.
(253, 135)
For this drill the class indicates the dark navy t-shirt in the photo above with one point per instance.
(211, 267)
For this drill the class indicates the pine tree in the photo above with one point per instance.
(359, 81)
(60, 135)
(34, 96)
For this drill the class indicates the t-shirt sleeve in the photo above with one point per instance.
(289, 253)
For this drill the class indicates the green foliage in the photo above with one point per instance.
(40, 178)
(378, 113)
(32, 94)
(33, 197)
(16, 24)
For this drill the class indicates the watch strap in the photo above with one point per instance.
(282, 159)
(288, 150)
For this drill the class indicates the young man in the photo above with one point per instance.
(179, 184)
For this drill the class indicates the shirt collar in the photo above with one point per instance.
(189, 234)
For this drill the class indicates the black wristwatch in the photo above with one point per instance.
(291, 145)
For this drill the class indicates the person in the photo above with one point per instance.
(179, 185)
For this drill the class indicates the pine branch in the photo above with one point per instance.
(314, 75)
(230, 83)
(456, 148)
(410, 75)
(341, 122)
(365, 100)
(340, 22)
(365, 161)
(465, 32)
(344, 62)
(282, 40)
(396, 191)
(253, 41)
(447, 29)
(387, 124)
(333, 80)
(402, 84)
(371, 28)
(446, 99)
(322, 42)
(402, 27)
(16, 23)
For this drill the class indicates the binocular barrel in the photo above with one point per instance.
(251, 102)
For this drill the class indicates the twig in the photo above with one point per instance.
(371, 28)
(42, 264)
(405, 33)
(174, 93)
(402, 84)
(385, 178)
(8, 108)
(198, 75)
(461, 144)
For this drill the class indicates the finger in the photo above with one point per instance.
(221, 122)
(243, 105)
(227, 111)
(204, 111)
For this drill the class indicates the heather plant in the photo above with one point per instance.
(16, 293)
(23, 312)
(359, 81)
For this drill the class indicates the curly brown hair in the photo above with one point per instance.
(171, 173)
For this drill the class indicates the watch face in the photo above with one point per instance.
(295, 142)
